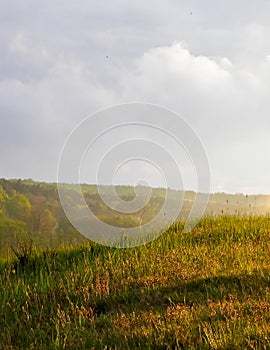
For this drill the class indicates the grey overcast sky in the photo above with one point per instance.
(209, 61)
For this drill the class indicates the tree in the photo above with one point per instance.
(3, 199)
(37, 210)
(48, 222)
(18, 207)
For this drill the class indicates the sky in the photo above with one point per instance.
(208, 61)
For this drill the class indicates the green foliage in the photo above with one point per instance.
(9, 229)
(37, 205)
(3, 199)
(18, 207)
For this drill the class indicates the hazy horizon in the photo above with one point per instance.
(128, 185)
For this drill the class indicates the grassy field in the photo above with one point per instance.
(207, 289)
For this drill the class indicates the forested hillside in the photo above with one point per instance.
(32, 210)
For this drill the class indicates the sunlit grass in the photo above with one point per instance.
(207, 289)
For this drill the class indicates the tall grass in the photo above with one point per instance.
(207, 289)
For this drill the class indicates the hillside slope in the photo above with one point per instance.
(207, 289)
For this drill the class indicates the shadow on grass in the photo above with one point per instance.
(196, 292)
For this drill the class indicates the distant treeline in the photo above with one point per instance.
(31, 209)
(34, 208)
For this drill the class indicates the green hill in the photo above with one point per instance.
(207, 289)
